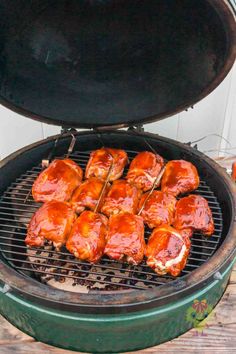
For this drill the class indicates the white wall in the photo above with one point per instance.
(216, 114)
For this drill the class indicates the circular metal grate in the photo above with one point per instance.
(61, 269)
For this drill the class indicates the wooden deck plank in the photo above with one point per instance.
(10, 334)
(32, 348)
(233, 277)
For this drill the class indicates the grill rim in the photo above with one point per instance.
(128, 299)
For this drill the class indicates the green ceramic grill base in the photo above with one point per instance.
(109, 333)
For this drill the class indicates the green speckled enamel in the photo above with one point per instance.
(108, 333)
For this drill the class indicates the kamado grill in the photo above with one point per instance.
(106, 65)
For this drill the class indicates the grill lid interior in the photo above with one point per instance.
(98, 63)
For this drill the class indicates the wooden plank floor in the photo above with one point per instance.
(218, 335)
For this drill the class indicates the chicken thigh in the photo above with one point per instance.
(88, 236)
(168, 249)
(194, 212)
(87, 195)
(125, 239)
(179, 177)
(57, 181)
(122, 197)
(101, 160)
(144, 169)
(158, 209)
(53, 222)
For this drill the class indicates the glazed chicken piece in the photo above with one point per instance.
(144, 169)
(57, 181)
(168, 249)
(101, 160)
(53, 222)
(88, 236)
(233, 173)
(122, 197)
(125, 239)
(158, 209)
(193, 212)
(179, 177)
(86, 196)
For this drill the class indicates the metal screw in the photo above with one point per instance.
(6, 288)
(218, 276)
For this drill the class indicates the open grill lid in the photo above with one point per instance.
(96, 63)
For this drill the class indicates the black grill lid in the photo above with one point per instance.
(88, 63)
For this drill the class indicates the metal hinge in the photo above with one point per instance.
(138, 128)
(66, 130)
(233, 5)
(190, 107)
(189, 143)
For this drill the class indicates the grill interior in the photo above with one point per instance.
(61, 269)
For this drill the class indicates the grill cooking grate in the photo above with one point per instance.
(61, 269)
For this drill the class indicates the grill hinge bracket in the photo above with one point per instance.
(66, 130)
(138, 128)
